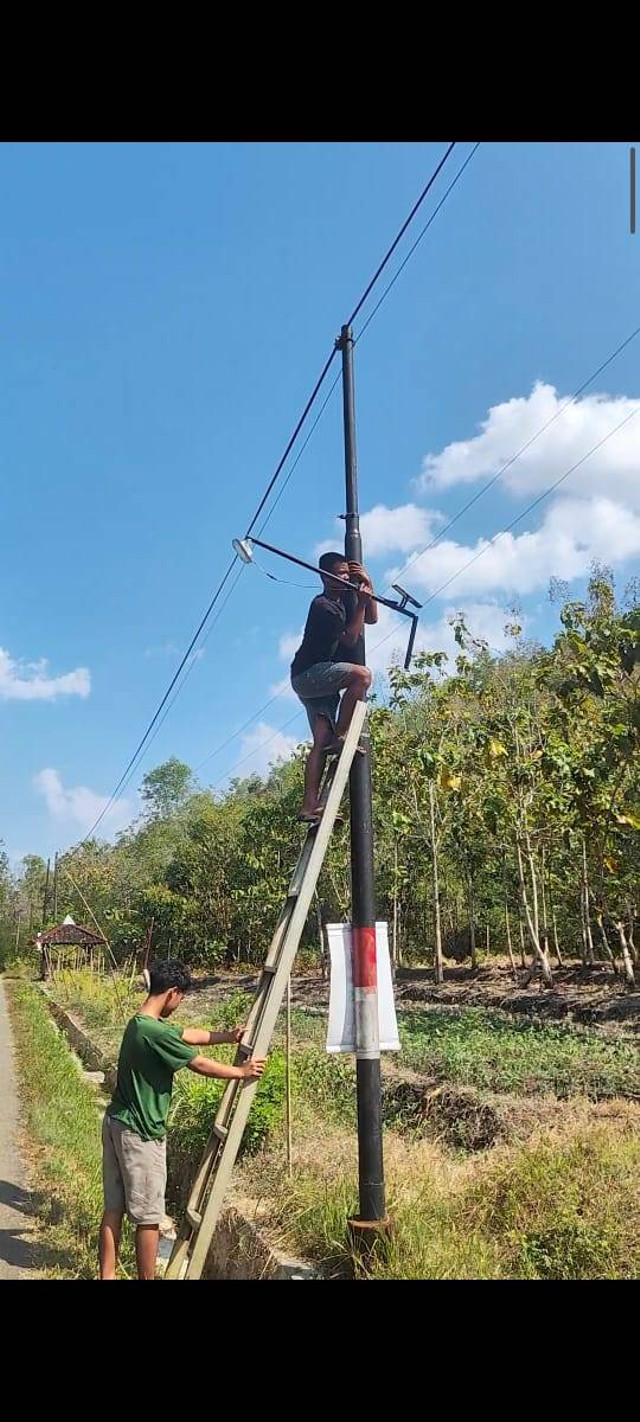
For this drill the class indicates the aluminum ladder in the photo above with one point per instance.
(194, 1237)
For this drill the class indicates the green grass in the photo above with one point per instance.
(62, 1124)
(468, 1047)
(321, 1087)
(194, 1105)
(568, 1210)
(493, 1052)
(565, 1205)
(105, 1006)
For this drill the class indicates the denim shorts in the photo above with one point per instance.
(319, 689)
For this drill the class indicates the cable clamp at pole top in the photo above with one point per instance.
(343, 339)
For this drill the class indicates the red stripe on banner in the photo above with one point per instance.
(365, 967)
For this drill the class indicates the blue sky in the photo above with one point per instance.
(166, 310)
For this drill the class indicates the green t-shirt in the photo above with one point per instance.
(151, 1052)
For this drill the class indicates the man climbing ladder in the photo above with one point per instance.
(322, 668)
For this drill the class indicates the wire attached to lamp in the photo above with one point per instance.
(244, 547)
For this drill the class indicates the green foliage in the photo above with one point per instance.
(565, 1210)
(319, 1085)
(564, 1205)
(196, 1100)
(531, 759)
(165, 789)
(493, 1052)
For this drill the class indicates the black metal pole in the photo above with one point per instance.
(363, 912)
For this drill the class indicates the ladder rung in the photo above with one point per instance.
(220, 1131)
(269, 968)
(246, 1048)
(195, 1219)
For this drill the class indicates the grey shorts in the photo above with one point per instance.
(319, 689)
(134, 1174)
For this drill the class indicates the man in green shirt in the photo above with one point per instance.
(134, 1165)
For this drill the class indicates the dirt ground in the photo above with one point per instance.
(595, 997)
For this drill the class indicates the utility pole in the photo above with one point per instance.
(55, 889)
(46, 894)
(372, 1217)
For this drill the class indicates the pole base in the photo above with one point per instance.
(369, 1238)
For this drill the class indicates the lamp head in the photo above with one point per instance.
(242, 546)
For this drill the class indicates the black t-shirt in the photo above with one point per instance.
(348, 654)
(325, 625)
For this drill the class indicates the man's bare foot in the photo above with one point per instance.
(311, 817)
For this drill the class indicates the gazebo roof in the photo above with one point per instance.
(70, 934)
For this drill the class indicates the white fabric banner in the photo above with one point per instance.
(341, 1029)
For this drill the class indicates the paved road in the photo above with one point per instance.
(16, 1226)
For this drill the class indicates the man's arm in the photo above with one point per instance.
(200, 1037)
(204, 1066)
(366, 610)
(359, 574)
(353, 629)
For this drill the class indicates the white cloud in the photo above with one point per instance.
(28, 681)
(484, 620)
(264, 746)
(81, 806)
(287, 648)
(581, 425)
(289, 644)
(387, 530)
(573, 534)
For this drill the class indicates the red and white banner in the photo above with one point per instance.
(345, 998)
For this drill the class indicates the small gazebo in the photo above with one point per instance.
(68, 934)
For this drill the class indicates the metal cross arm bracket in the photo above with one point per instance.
(406, 612)
(243, 547)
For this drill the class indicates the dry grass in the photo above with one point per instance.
(564, 1205)
(510, 1183)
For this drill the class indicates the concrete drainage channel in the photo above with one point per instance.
(240, 1248)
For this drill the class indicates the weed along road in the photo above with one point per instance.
(15, 1246)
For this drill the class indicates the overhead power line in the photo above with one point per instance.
(143, 739)
(551, 488)
(133, 760)
(357, 308)
(479, 554)
(415, 558)
(416, 206)
(479, 494)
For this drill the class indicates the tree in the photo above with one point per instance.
(506, 796)
(166, 789)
